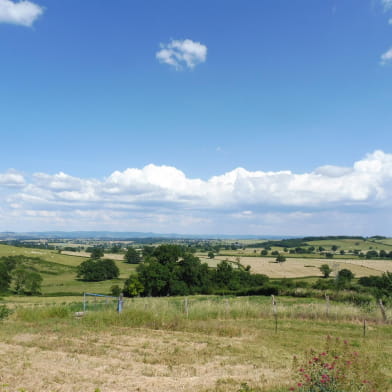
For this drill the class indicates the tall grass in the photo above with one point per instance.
(170, 312)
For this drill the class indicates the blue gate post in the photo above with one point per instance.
(120, 303)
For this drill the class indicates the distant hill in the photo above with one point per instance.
(125, 235)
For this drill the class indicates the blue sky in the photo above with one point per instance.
(92, 88)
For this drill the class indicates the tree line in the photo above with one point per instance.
(171, 270)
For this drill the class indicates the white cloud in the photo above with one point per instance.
(386, 57)
(11, 178)
(390, 21)
(179, 53)
(23, 13)
(163, 198)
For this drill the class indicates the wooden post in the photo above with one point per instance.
(275, 309)
(327, 305)
(382, 308)
(120, 303)
(186, 306)
(364, 328)
(84, 302)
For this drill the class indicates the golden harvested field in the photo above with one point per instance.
(301, 267)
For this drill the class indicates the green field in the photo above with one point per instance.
(59, 271)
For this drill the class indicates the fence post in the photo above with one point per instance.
(275, 309)
(327, 305)
(186, 306)
(120, 304)
(382, 308)
(84, 302)
(364, 327)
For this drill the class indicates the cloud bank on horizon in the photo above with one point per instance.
(162, 198)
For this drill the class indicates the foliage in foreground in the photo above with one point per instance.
(339, 368)
(4, 312)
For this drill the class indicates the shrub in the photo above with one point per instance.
(325, 270)
(338, 368)
(4, 312)
(280, 259)
(115, 290)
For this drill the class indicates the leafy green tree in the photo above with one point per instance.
(155, 278)
(133, 287)
(325, 270)
(345, 274)
(280, 259)
(211, 255)
(97, 252)
(223, 274)
(115, 248)
(97, 270)
(168, 253)
(264, 252)
(371, 254)
(194, 274)
(115, 290)
(5, 278)
(344, 278)
(147, 251)
(26, 282)
(132, 256)
(334, 248)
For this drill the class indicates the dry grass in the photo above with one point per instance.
(152, 346)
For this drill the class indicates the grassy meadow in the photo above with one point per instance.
(59, 271)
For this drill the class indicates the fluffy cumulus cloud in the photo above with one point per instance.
(386, 57)
(182, 53)
(162, 198)
(23, 13)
